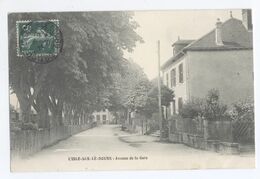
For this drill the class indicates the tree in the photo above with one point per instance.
(93, 48)
(138, 96)
(151, 106)
(144, 100)
(124, 86)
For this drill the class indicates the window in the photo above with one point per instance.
(98, 117)
(173, 107)
(104, 119)
(180, 104)
(173, 77)
(166, 112)
(181, 73)
(167, 80)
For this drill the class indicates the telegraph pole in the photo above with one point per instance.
(159, 92)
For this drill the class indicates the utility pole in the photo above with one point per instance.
(159, 92)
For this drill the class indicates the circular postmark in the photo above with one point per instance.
(39, 41)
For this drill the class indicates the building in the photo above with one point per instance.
(103, 117)
(221, 59)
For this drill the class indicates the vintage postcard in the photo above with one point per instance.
(131, 90)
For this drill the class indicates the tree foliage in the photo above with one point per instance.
(77, 81)
(144, 98)
(151, 105)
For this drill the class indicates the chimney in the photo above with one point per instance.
(218, 33)
(175, 47)
(247, 18)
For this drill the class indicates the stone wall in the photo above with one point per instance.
(216, 137)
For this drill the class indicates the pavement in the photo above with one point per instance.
(106, 147)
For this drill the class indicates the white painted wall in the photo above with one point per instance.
(109, 116)
(180, 90)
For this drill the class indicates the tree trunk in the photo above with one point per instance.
(44, 120)
(25, 107)
(142, 125)
(146, 121)
(25, 113)
(56, 110)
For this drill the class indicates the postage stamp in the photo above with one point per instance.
(39, 41)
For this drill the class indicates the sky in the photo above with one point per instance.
(166, 26)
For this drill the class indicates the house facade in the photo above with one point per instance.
(221, 59)
(103, 117)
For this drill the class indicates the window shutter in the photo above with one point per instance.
(181, 73)
(167, 80)
(180, 104)
(173, 77)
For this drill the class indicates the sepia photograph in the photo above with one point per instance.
(131, 90)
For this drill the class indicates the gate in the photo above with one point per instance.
(243, 131)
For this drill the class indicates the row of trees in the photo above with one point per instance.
(137, 94)
(89, 74)
(86, 76)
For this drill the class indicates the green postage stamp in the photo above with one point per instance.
(38, 39)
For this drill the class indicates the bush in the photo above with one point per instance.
(192, 109)
(154, 122)
(175, 117)
(214, 110)
(29, 126)
(93, 124)
(242, 111)
(209, 108)
(15, 126)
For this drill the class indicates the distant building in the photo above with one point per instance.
(221, 59)
(103, 117)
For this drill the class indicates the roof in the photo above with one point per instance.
(234, 36)
(182, 42)
(172, 59)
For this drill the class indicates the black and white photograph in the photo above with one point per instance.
(131, 90)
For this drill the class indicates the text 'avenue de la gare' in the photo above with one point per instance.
(89, 158)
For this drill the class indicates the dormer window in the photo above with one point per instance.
(174, 51)
(179, 45)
